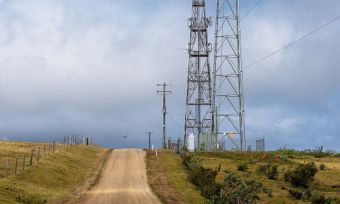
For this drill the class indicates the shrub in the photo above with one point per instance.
(233, 190)
(242, 167)
(302, 175)
(296, 193)
(252, 161)
(285, 158)
(319, 153)
(204, 179)
(291, 156)
(321, 199)
(237, 190)
(268, 191)
(299, 193)
(187, 160)
(261, 169)
(322, 167)
(269, 170)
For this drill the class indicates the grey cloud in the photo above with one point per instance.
(91, 68)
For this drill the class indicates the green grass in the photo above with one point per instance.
(53, 178)
(177, 177)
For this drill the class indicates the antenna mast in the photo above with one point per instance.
(198, 115)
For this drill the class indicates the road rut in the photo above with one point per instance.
(124, 180)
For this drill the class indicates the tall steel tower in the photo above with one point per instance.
(198, 115)
(228, 75)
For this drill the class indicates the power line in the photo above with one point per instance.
(180, 76)
(250, 10)
(293, 42)
(175, 122)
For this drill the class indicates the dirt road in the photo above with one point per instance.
(124, 180)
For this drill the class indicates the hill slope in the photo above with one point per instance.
(326, 182)
(52, 179)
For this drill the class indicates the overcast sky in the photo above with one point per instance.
(90, 67)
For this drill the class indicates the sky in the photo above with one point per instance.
(90, 68)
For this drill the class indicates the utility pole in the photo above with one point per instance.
(149, 133)
(164, 92)
(199, 112)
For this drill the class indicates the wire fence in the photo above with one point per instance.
(226, 144)
(16, 159)
(252, 144)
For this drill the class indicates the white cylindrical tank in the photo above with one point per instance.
(191, 142)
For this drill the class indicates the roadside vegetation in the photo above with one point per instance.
(168, 179)
(54, 179)
(283, 176)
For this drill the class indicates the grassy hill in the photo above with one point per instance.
(52, 179)
(326, 182)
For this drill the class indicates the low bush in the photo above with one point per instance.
(269, 170)
(242, 167)
(252, 161)
(300, 193)
(321, 199)
(203, 178)
(268, 191)
(322, 167)
(187, 159)
(285, 158)
(318, 152)
(237, 190)
(312, 197)
(296, 193)
(233, 190)
(302, 175)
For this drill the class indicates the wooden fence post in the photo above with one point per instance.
(7, 168)
(31, 158)
(38, 154)
(44, 151)
(16, 164)
(23, 162)
(49, 150)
